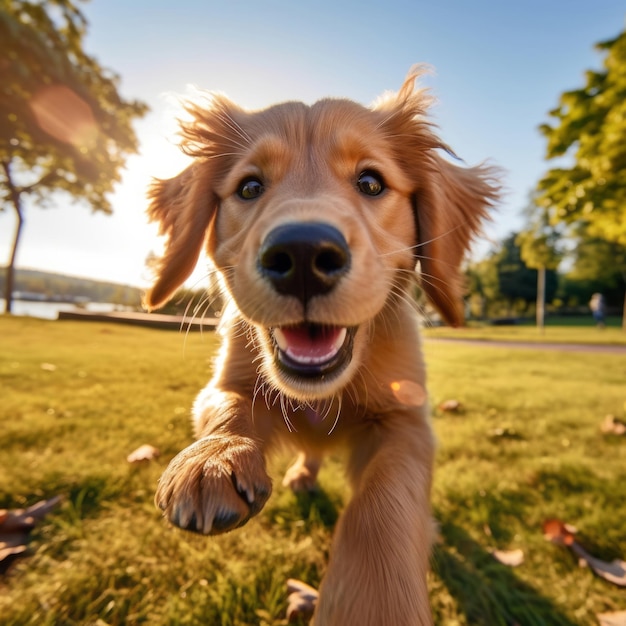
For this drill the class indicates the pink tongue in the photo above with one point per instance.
(305, 343)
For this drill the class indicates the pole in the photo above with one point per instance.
(541, 298)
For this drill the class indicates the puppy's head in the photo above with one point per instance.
(316, 216)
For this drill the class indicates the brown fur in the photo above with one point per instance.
(309, 158)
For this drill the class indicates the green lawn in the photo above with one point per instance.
(526, 446)
(556, 330)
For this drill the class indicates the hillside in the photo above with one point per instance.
(58, 287)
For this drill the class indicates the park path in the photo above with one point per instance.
(532, 345)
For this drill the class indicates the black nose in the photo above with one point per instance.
(305, 259)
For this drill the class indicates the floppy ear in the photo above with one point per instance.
(449, 210)
(449, 202)
(183, 206)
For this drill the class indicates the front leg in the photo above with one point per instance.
(302, 475)
(219, 482)
(380, 554)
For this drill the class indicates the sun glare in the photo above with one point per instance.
(64, 115)
(408, 392)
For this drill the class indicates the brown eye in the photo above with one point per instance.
(250, 188)
(370, 183)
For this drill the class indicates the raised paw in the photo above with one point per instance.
(301, 601)
(214, 485)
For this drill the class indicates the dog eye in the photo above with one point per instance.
(250, 188)
(370, 183)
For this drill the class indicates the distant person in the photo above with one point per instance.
(596, 304)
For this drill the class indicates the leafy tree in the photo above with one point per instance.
(539, 249)
(601, 264)
(517, 282)
(482, 285)
(63, 125)
(589, 127)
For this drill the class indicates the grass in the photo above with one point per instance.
(526, 446)
(556, 330)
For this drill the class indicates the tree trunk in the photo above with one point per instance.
(17, 205)
(10, 278)
(541, 298)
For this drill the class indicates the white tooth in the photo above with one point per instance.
(341, 337)
(279, 337)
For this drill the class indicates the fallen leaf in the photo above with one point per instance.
(504, 433)
(614, 571)
(452, 406)
(25, 519)
(558, 532)
(512, 558)
(15, 527)
(612, 619)
(8, 554)
(613, 426)
(146, 452)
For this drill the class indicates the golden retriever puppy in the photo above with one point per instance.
(315, 218)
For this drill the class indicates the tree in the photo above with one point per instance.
(539, 250)
(63, 125)
(516, 281)
(590, 128)
(482, 285)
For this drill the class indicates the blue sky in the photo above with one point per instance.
(499, 67)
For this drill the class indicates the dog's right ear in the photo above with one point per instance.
(183, 206)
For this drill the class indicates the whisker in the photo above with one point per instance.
(429, 280)
(336, 417)
(422, 243)
(284, 411)
(259, 385)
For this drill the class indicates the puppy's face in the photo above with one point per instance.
(313, 231)
(315, 216)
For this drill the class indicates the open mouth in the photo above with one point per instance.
(312, 350)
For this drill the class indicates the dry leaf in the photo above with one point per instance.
(452, 406)
(24, 519)
(15, 527)
(8, 554)
(504, 432)
(556, 531)
(613, 426)
(143, 453)
(562, 534)
(614, 572)
(512, 558)
(612, 619)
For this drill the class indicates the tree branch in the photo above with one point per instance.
(44, 180)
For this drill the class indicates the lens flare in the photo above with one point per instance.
(408, 392)
(64, 115)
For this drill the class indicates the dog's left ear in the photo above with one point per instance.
(450, 202)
